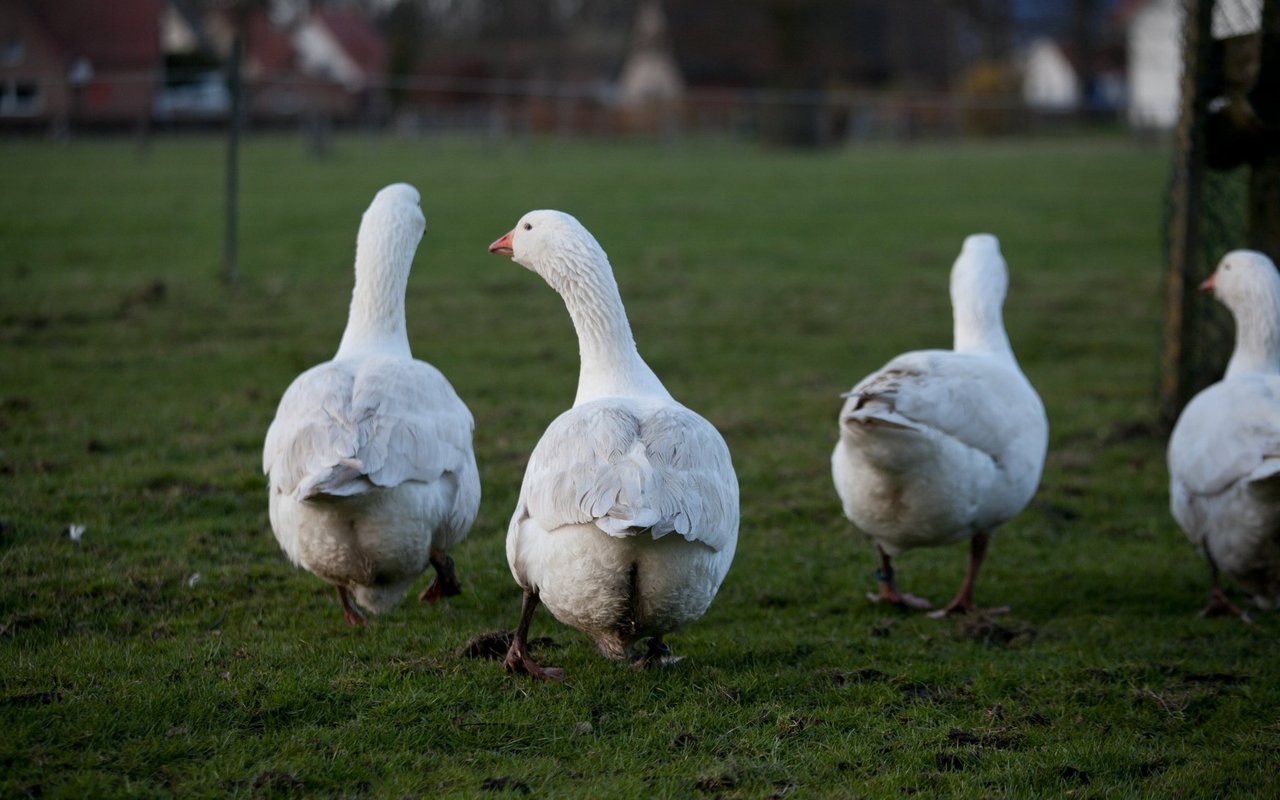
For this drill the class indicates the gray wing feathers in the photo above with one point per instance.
(966, 397)
(630, 473)
(342, 430)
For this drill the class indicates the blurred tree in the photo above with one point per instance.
(405, 30)
(993, 20)
(1084, 38)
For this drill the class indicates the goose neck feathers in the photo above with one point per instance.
(557, 247)
(979, 282)
(1247, 283)
(389, 234)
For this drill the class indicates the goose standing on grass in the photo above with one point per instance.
(939, 446)
(369, 462)
(1224, 453)
(627, 519)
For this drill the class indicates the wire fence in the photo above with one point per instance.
(425, 105)
(1207, 202)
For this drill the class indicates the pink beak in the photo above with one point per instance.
(503, 247)
(1207, 285)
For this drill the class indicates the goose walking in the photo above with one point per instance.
(1224, 452)
(369, 460)
(627, 518)
(939, 446)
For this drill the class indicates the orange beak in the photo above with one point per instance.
(503, 247)
(1207, 286)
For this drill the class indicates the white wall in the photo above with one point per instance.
(1049, 82)
(1155, 64)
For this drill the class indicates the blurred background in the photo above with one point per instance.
(1201, 77)
(794, 72)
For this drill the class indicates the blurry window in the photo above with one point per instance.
(13, 51)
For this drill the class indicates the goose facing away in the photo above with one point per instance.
(627, 519)
(1224, 452)
(939, 446)
(369, 462)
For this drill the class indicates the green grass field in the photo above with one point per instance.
(174, 651)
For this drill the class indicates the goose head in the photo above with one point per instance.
(979, 283)
(391, 229)
(1247, 283)
(1241, 278)
(554, 245)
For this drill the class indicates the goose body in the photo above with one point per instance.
(939, 446)
(627, 519)
(1224, 452)
(371, 473)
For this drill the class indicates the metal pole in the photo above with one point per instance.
(231, 271)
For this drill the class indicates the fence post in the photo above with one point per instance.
(231, 271)
(1178, 378)
(1264, 176)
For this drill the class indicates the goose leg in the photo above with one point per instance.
(963, 601)
(1219, 604)
(446, 582)
(518, 659)
(888, 588)
(349, 611)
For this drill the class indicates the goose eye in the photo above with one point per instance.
(528, 226)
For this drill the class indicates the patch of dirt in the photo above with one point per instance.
(272, 782)
(493, 645)
(715, 783)
(958, 736)
(997, 738)
(504, 784)
(925, 692)
(864, 675)
(1133, 430)
(951, 761)
(881, 627)
(766, 600)
(33, 698)
(1073, 775)
(150, 294)
(1207, 678)
(988, 630)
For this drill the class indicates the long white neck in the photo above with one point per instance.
(376, 324)
(1257, 334)
(611, 365)
(978, 326)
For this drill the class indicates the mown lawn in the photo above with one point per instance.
(174, 651)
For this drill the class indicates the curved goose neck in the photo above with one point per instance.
(611, 364)
(978, 324)
(1257, 333)
(376, 321)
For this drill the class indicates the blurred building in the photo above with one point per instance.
(126, 62)
(69, 61)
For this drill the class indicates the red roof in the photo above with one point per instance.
(269, 47)
(357, 37)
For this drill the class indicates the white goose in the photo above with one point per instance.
(1224, 452)
(943, 445)
(627, 519)
(370, 468)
